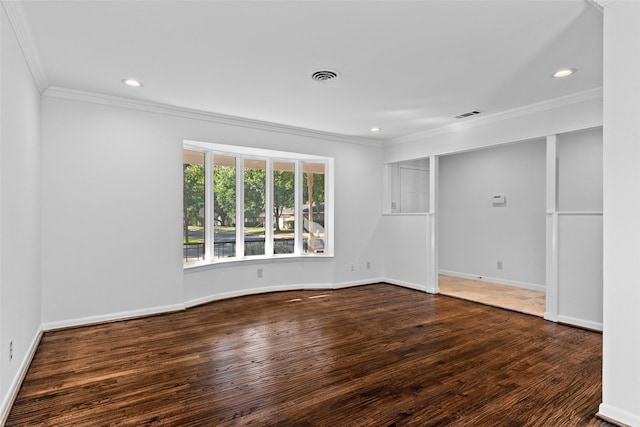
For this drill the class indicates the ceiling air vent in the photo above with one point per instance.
(469, 114)
(323, 76)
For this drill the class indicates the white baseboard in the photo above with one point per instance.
(292, 287)
(525, 285)
(351, 284)
(14, 387)
(588, 324)
(617, 416)
(111, 317)
(404, 284)
(254, 291)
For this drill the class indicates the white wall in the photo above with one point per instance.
(111, 200)
(621, 346)
(20, 291)
(112, 214)
(580, 270)
(475, 234)
(406, 250)
(579, 185)
(580, 171)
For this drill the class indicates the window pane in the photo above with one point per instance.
(283, 207)
(255, 174)
(192, 205)
(224, 206)
(313, 235)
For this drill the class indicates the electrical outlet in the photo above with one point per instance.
(259, 272)
(499, 265)
(353, 267)
(10, 350)
(368, 265)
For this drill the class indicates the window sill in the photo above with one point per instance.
(252, 259)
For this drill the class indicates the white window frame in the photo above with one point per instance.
(270, 156)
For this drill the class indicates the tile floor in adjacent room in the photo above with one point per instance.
(510, 297)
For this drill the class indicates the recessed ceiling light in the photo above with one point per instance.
(375, 129)
(131, 82)
(565, 72)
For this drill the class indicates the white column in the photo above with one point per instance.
(621, 224)
(432, 228)
(551, 312)
(208, 207)
(268, 209)
(298, 222)
(239, 206)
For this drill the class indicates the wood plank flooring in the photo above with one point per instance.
(510, 297)
(375, 355)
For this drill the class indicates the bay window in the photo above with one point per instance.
(244, 203)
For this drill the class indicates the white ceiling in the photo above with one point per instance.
(406, 66)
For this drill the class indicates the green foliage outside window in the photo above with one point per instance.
(283, 195)
(224, 188)
(193, 194)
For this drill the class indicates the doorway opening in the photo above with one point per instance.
(491, 226)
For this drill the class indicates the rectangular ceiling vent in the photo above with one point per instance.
(469, 114)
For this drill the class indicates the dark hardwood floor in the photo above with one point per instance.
(375, 355)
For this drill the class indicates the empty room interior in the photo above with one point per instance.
(362, 213)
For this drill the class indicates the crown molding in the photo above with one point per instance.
(597, 4)
(600, 4)
(504, 115)
(16, 15)
(188, 113)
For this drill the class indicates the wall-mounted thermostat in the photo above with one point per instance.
(498, 199)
